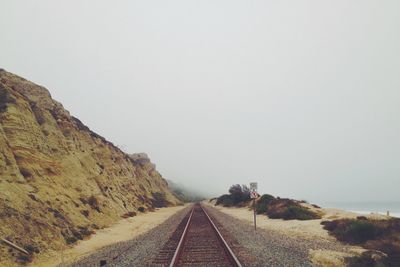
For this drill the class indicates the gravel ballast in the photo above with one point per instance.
(266, 247)
(261, 248)
(139, 251)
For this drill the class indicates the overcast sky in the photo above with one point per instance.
(301, 96)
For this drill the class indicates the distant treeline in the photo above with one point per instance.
(184, 194)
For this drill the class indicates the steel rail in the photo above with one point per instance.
(233, 259)
(174, 260)
(225, 245)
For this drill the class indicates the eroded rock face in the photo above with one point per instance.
(141, 158)
(59, 180)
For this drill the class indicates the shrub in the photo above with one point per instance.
(77, 234)
(238, 194)
(288, 209)
(72, 235)
(33, 197)
(70, 239)
(24, 259)
(85, 213)
(226, 201)
(56, 213)
(262, 203)
(277, 207)
(159, 200)
(94, 203)
(353, 231)
(362, 230)
(294, 212)
(360, 261)
(377, 235)
(129, 214)
(26, 173)
(5, 98)
(31, 249)
(85, 231)
(37, 113)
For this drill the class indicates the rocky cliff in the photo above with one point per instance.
(59, 181)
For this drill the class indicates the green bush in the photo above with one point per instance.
(238, 194)
(289, 209)
(294, 212)
(262, 203)
(362, 231)
(225, 200)
(353, 231)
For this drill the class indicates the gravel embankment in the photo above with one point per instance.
(136, 252)
(265, 247)
(261, 248)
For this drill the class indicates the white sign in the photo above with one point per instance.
(253, 190)
(253, 186)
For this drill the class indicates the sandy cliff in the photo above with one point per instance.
(59, 181)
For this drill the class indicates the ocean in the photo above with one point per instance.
(367, 207)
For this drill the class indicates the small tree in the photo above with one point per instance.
(239, 193)
(246, 193)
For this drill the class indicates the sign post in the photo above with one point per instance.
(254, 195)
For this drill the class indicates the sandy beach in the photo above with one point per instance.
(124, 230)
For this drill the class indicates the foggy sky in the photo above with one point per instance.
(301, 96)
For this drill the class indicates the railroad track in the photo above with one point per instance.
(196, 243)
